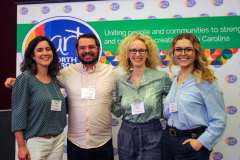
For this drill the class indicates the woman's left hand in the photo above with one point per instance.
(196, 145)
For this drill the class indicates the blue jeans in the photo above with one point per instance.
(140, 141)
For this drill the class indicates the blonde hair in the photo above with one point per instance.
(152, 55)
(201, 69)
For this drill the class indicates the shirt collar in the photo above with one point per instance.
(83, 69)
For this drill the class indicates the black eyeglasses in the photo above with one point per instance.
(139, 51)
(185, 50)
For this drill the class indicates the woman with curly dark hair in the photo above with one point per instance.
(38, 106)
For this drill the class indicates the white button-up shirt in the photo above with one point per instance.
(89, 123)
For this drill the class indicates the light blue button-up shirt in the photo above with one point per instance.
(198, 104)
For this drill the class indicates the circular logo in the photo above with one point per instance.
(139, 5)
(164, 4)
(231, 141)
(231, 110)
(63, 32)
(24, 11)
(90, 7)
(217, 2)
(217, 156)
(67, 9)
(45, 10)
(231, 78)
(190, 3)
(114, 6)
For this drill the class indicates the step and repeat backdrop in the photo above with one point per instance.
(215, 22)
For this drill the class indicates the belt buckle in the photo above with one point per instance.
(172, 132)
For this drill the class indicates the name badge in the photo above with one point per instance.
(56, 105)
(137, 108)
(88, 93)
(173, 107)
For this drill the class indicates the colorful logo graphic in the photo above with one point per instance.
(216, 57)
(219, 56)
(164, 58)
(107, 57)
(63, 32)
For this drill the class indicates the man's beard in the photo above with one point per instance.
(93, 61)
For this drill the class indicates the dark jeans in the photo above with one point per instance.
(140, 141)
(104, 152)
(173, 149)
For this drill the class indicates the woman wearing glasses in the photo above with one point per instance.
(138, 99)
(194, 107)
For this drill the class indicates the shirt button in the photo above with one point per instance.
(87, 130)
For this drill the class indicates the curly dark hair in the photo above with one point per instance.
(30, 64)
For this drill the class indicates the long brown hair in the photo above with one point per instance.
(200, 67)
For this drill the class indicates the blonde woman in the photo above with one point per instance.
(194, 107)
(138, 99)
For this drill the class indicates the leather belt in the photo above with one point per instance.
(192, 133)
(48, 136)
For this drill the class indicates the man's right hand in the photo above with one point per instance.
(9, 82)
